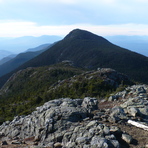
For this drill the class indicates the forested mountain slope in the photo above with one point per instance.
(90, 51)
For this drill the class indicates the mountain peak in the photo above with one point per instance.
(82, 34)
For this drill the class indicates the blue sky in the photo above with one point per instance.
(59, 17)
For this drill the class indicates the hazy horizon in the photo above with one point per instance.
(17, 45)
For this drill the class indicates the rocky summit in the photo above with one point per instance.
(82, 123)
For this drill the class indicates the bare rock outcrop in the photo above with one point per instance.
(79, 123)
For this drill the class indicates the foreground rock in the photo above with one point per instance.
(79, 123)
(134, 104)
(61, 123)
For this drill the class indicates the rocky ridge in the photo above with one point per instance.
(81, 123)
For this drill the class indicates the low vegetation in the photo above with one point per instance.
(32, 87)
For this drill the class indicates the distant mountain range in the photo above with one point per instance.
(7, 58)
(21, 44)
(87, 50)
(14, 62)
(4, 53)
(38, 48)
(138, 44)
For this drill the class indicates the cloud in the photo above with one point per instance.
(68, 12)
(13, 28)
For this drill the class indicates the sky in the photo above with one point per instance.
(58, 17)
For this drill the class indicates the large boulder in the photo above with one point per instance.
(53, 116)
